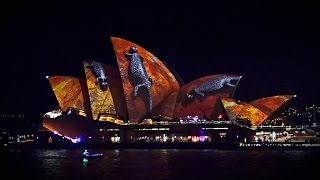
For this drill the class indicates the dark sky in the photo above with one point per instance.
(275, 47)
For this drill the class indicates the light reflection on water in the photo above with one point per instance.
(157, 164)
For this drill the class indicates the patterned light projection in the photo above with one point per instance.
(257, 111)
(166, 106)
(68, 91)
(232, 107)
(268, 105)
(147, 82)
(255, 116)
(105, 90)
(201, 96)
(241, 110)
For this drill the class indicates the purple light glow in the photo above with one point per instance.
(202, 138)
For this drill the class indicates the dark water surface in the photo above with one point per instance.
(159, 164)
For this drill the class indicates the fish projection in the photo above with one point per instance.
(212, 85)
(101, 100)
(100, 74)
(201, 96)
(139, 76)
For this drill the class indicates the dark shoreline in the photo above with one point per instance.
(222, 146)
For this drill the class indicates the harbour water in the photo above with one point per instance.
(158, 164)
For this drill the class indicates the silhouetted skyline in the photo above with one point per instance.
(273, 46)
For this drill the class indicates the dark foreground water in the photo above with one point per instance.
(159, 164)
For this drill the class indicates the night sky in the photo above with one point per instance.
(275, 47)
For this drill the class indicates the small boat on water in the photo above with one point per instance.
(98, 155)
(86, 154)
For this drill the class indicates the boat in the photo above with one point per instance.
(97, 155)
(86, 154)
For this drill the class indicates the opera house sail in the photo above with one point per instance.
(256, 112)
(69, 91)
(147, 83)
(105, 91)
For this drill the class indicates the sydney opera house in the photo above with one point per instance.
(143, 100)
